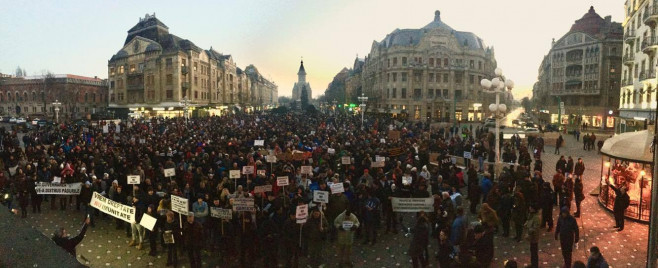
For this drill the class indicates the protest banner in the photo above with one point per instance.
(301, 213)
(337, 188)
(148, 222)
(345, 160)
(170, 172)
(262, 189)
(118, 129)
(259, 142)
(60, 189)
(321, 196)
(247, 170)
(377, 164)
(243, 204)
(307, 170)
(133, 179)
(282, 181)
(221, 213)
(270, 158)
(179, 204)
(234, 174)
(412, 204)
(114, 209)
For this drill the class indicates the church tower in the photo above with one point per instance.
(301, 74)
(301, 84)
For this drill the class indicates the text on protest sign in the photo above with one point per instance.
(61, 189)
(347, 225)
(243, 204)
(57, 179)
(261, 172)
(247, 170)
(282, 181)
(412, 204)
(262, 189)
(234, 174)
(377, 164)
(406, 180)
(170, 172)
(307, 170)
(380, 159)
(467, 155)
(259, 142)
(221, 213)
(133, 179)
(321, 196)
(345, 160)
(148, 222)
(337, 188)
(179, 204)
(114, 209)
(270, 158)
(301, 213)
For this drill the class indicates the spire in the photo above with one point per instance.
(437, 15)
(301, 69)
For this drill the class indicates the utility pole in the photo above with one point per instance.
(652, 255)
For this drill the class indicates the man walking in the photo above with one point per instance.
(568, 233)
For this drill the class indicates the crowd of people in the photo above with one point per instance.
(203, 151)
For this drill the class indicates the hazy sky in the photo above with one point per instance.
(78, 37)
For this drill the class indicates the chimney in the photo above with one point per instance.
(608, 19)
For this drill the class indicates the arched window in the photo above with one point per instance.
(86, 96)
(8, 96)
(25, 96)
(34, 96)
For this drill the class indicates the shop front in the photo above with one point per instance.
(627, 161)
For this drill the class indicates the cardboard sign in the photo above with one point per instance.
(133, 179)
(243, 204)
(380, 159)
(224, 214)
(347, 225)
(170, 172)
(282, 181)
(179, 204)
(412, 204)
(247, 170)
(345, 160)
(301, 213)
(382, 141)
(321, 196)
(394, 134)
(57, 188)
(270, 158)
(262, 189)
(142, 141)
(331, 151)
(307, 170)
(434, 159)
(377, 164)
(106, 129)
(57, 179)
(148, 222)
(114, 209)
(406, 180)
(337, 188)
(467, 155)
(260, 172)
(234, 174)
(259, 142)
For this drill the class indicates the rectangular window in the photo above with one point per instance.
(168, 63)
(417, 77)
(112, 71)
(170, 79)
(196, 94)
(404, 77)
(458, 94)
(446, 79)
(195, 66)
(438, 62)
(120, 83)
(438, 78)
(418, 93)
(430, 93)
(388, 63)
(471, 79)
(479, 65)
(471, 64)
(170, 94)
(132, 68)
(183, 63)
(395, 77)
(388, 77)
(404, 61)
(403, 93)
(121, 70)
(196, 81)
(111, 84)
(395, 93)
(388, 93)
(438, 93)
(431, 63)
(430, 78)
(395, 61)
(445, 62)
(446, 94)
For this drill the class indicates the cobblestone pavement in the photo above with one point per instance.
(104, 246)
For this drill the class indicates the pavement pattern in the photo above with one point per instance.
(104, 246)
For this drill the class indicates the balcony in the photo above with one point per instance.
(649, 45)
(629, 59)
(650, 17)
(578, 59)
(629, 36)
(573, 75)
(184, 70)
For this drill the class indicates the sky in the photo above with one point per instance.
(80, 36)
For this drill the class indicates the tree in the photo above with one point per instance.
(527, 104)
(304, 98)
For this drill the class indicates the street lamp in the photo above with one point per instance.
(56, 104)
(496, 86)
(363, 99)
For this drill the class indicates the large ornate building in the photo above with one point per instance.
(33, 96)
(301, 85)
(637, 98)
(156, 72)
(582, 70)
(431, 72)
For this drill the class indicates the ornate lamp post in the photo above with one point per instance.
(363, 99)
(496, 86)
(56, 104)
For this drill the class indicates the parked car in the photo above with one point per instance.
(20, 120)
(12, 120)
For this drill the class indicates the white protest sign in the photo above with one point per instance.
(412, 204)
(312, 132)
(337, 188)
(221, 213)
(114, 209)
(321, 196)
(57, 179)
(301, 213)
(382, 141)
(259, 142)
(260, 172)
(118, 129)
(12, 170)
(307, 170)
(148, 222)
(234, 174)
(106, 129)
(270, 158)
(262, 189)
(170, 172)
(60, 189)
(406, 180)
(377, 164)
(133, 179)
(467, 155)
(345, 160)
(142, 141)
(248, 170)
(179, 204)
(380, 159)
(331, 151)
(347, 225)
(282, 181)
(243, 204)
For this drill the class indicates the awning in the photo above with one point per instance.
(632, 146)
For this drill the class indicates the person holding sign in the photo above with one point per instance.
(171, 234)
(314, 230)
(152, 234)
(346, 223)
(62, 239)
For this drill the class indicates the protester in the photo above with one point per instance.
(596, 259)
(419, 242)
(62, 239)
(532, 230)
(568, 233)
(346, 223)
(622, 201)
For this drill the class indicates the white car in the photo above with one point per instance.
(12, 120)
(20, 120)
(531, 130)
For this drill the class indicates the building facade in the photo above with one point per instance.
(265, 92)
(157, 74)
(33, 96)
(637, 98)
(301, 85)
(582, 70)
(429, 73)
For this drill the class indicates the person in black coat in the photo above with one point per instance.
(561, 165)
(62, 239)
(546, 204)
(419, 242)
(568, 233)
(578, 195)
(622, 201)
